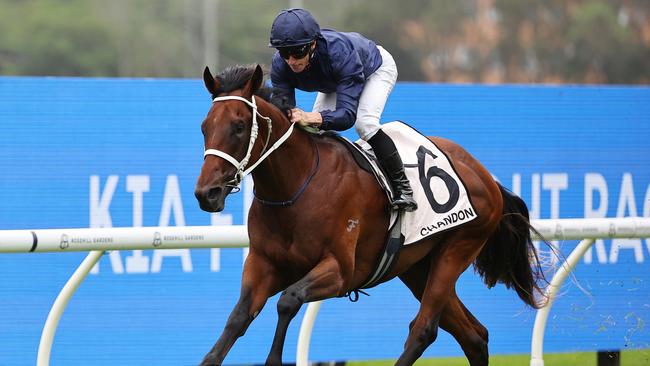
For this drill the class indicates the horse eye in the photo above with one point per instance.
(239, 127)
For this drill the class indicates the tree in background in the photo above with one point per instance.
(487, 41)
(50, 38)
(146, 36)
(578, 41)
(434, 35)
(603, 46)
(381, 23)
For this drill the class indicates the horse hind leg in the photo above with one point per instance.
(455, 319)
(467, 330)
(446, 264)
(323, 281)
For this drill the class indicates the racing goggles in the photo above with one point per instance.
(297, 52)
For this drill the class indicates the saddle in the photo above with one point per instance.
(365, 159)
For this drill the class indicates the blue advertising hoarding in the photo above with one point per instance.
(78, 152)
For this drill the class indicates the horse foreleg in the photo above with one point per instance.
(324, 281)
(236, 326)
(467, 330)
(259, 282)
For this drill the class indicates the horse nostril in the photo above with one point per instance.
(214, 193)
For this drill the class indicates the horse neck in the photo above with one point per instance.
(284, 171)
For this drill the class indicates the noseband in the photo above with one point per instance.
(242, 170)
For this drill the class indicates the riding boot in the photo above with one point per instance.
(390, 161)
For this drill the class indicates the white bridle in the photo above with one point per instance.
(242, 171)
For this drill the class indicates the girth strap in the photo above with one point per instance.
(390, 254)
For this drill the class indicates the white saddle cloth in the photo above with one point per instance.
(442, 199)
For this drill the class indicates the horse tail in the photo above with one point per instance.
(509, 256)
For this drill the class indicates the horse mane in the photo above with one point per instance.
(235, 77)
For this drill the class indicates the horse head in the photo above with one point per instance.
(229, 132)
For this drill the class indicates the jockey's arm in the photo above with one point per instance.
(350, 83)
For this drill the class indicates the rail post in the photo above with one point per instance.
(47, 337)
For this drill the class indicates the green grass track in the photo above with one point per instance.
(628, 358)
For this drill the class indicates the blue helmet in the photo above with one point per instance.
(293, 27)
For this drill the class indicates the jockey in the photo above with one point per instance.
(353, 77)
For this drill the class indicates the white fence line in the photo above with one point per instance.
(601, 228)
(99, 240)
(125, 238)
(575, 229)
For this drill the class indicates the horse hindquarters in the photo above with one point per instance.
(509, 256)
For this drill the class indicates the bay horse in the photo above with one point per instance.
(308, 189)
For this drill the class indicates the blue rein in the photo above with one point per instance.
(299, 192)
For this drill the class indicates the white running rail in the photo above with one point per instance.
(99, 240)
(124, 238)
(587, 230)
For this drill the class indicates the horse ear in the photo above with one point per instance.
(210, 83)
(255, 82)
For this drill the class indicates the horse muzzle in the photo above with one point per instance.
(212, 198)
